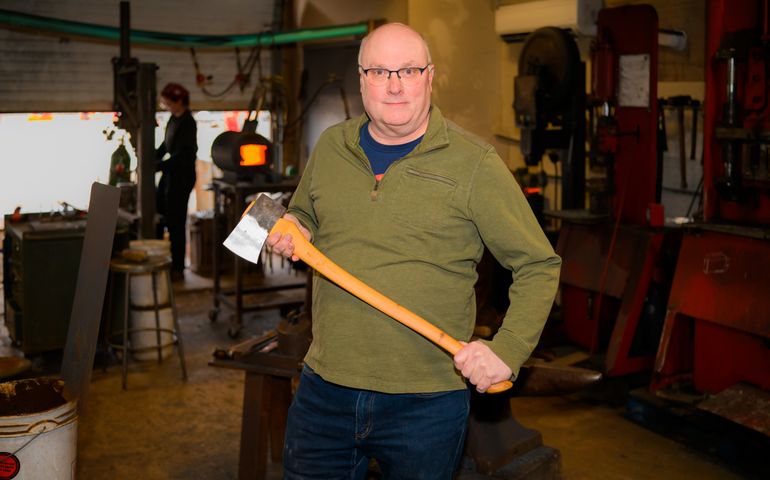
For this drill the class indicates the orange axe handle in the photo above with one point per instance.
(323, 265)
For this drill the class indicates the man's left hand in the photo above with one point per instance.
(479, 364)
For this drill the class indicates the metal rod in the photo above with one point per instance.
(125, 31)
(145, 147)
(731, 119)
(730, 113)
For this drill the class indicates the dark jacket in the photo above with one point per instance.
(181, 144)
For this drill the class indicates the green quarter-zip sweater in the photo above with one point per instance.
(416, 236)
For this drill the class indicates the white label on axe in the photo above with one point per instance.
(246, 239)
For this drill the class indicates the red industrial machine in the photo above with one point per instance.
(716, 336)
(691, 305)
(617, 256)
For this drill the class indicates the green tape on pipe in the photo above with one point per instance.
(143, 37)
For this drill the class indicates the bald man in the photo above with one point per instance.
(406, 200)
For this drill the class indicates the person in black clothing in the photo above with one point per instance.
(178, 178)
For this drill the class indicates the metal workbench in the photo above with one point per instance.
(41, 256)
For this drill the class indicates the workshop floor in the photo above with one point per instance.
(163, 428)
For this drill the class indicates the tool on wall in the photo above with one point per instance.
(681, 103)
(682, 154)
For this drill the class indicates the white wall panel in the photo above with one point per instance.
(47, 73)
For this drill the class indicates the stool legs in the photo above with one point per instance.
(126, 307)
(156, 309)
(107, 323)
(177, 330)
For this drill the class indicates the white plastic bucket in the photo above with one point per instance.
(141, 284)
(141, 288)
(141, 340)
(38, 430)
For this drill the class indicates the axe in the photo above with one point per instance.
(263, 217)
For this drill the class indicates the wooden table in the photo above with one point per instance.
(266, 399)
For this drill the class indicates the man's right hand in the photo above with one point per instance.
(284, 244)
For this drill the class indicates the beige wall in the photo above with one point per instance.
(466, 53)
(319, 13)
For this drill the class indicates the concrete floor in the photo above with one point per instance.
(597, 443)
(164, 428)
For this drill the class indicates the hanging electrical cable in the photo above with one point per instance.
(200, 79)
(255, 59)
(242, 77)
(245, 69)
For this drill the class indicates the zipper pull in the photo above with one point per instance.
(373, 193)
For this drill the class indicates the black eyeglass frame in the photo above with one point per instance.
(391, 72)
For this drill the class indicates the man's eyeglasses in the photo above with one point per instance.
(379, 76)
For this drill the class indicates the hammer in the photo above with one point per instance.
(263, 217)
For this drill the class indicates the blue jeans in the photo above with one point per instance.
(333, 431)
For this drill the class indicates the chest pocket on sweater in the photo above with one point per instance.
(422, 200)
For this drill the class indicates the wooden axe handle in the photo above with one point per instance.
(323, 265)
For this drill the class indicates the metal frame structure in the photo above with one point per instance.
(717, 325)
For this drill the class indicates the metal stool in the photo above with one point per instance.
(153, 266)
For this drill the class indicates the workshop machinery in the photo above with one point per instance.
(549, 106)
(716, 336)
(245, 156)
(617, 256)
(242, 155)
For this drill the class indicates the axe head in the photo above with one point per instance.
(248, 237)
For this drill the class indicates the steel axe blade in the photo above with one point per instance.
(248, 237)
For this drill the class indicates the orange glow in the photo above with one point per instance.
(40, 116)
(253, 155)
(532, 190)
